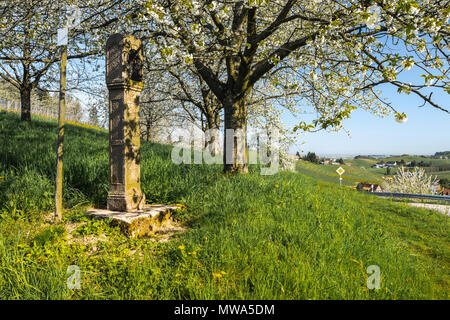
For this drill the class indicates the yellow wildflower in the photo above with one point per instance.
(276, 186)
(181, 247)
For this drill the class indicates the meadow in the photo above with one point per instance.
(358, 172)
(286, 236)
(361, 171)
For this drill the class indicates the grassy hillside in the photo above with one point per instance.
(359, 171)
(434, 162)
(286, 236)
(442, 174)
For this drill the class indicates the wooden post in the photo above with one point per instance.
(60, 145)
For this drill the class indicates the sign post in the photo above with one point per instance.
(340, 171)
(73, 20)
(60, 144)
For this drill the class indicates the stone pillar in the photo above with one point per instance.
(124, 62)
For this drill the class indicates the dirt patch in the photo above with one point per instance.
(80, 239)
(168, 230)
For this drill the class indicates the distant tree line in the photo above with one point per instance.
(311, 157)
(419, 164)
(443, 153)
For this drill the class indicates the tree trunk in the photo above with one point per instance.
(25, 101)
(211, 129)
(235, 140)
(147, 130)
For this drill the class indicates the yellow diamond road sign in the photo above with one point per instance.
(340, 170)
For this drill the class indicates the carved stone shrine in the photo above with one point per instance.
(124, 78)
(126, 202)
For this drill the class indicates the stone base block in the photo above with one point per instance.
(139, 223)
(121, 202)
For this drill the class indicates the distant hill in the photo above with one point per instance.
(443, 153)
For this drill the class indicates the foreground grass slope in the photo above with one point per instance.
(286, 236)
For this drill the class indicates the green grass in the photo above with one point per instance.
(359, 171)
(434, 162)
(286, 236)
(441, 174)
(361, 162)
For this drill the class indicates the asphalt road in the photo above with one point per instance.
(442, 208)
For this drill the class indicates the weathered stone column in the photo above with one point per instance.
(124, 62)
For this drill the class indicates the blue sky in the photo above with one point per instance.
(427, 130)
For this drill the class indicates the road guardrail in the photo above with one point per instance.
(410, 195)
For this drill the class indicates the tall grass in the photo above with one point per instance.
(286, 236)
